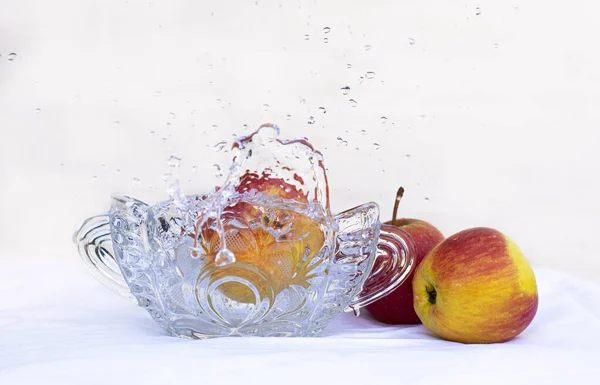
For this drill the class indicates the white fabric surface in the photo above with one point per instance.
(58, 325)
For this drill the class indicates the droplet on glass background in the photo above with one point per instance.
(214, 127)
(288, 117)
(426, 198)
(302, 100)
(348, 65)
(367, 47)
(376, 145)
(244, 126)
(363, 132)
(94, 177)
(325, 40)
(345, 90)
(477, 11)
(370, 75)
(326, 30)
(219, 146)
(12, 56)
(265, 107)
(174, 161)
(322, 110)
(217, 171)
(383, 120)
(411, 41)
(342, 141)
(311, 120)
(352, 102)
(361, 79)
(307, 37)
(136, 181)
(194, 168)
(38, 110)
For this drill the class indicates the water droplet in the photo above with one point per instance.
(370, 75)
(495, 45)
(220, 146)
(265, 107)
(477, 11)
(217, 172)
(311, 120)
(426, 198)
(302, 100)
(288, 117)
(363, 131)
(62, 165)
(322, 110)
(214, 127)
(174, 161)
(94, 177)
(367, 47)
(152, 133)
(342, 141)
(118, 171)
(194, 168)
(306, 37)
(326, 30)
(164, 140)
(411, 41)
(348, 65)
(383, 119)
(172, 115)
(245, 126)
(103, 166)
(352, 102)
(325, 40)
(345, 90)
(224, 257)
(407, 156)
(136, 181)
(376, 145)
(218, 101)
(361, 79)
(12, 56)
(38, 110)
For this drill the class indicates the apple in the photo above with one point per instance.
(397, 307)
(475, 287)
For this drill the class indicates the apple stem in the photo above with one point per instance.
(399, 195)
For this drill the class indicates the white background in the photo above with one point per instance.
(492, 119)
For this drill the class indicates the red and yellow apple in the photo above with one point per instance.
(397, 307)
(475, 287)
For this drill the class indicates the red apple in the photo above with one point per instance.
(397, 307)
(476, 287)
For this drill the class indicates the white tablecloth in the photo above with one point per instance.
(59, 326)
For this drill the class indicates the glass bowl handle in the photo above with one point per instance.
(394, 262)
(95, 248)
